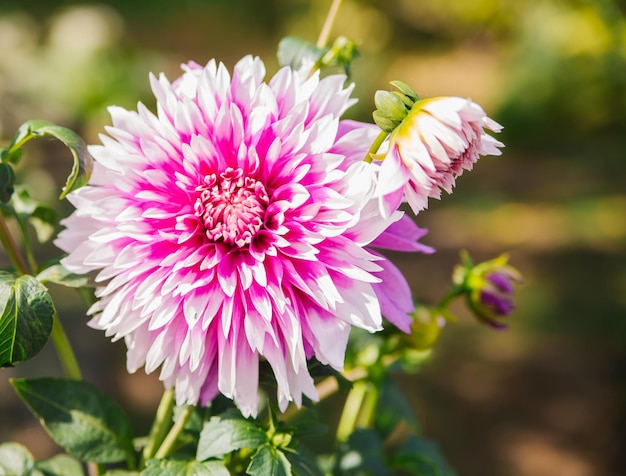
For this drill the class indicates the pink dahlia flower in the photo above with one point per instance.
(231, 226)
(438, 139)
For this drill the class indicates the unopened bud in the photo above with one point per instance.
(489, 288)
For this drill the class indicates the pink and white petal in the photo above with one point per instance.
(394, 294)
(402, 235)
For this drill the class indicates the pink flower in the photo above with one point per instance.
(231, 226)
(438, 139)
(394, 294)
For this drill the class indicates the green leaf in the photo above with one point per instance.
(363, 454)
(83, 162)
(307, 422)
(7, 155)
(176, 467)
(7, 181)
(43, 220)
(122, 472)
(40, 216)
(15, 460)
(420, 456)
(317, 369)
(393, 409)
(79, 417)
(60, 465)
(293, 51)
(228, 432)
(26, 317)
(302, 463)
(57, 274)
(269, 461)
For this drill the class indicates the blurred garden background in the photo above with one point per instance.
(546, 397)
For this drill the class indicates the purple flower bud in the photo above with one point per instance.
(489, 287)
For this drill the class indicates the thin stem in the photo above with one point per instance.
(11, 248)
(351, 410)
(87, 296)
(174, 433)
(322, 40)
(375, 146)
(94, 469)
(28, 249)
(329, 385)
(448, 298)
(162, 423)
(15, 147)
(64, 351)
(368, 407)
(59, 337)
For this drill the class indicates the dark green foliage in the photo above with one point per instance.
(26, 318)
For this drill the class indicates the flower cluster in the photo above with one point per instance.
(240, 222)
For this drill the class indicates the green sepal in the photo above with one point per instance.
(390, 105)
(405, 89)
(383, 122)
(390, 111)
(26, 318)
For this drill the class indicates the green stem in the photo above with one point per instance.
(30, 257)
(87, 295)
(330, 386)
(448, 298)
(375, 146)
(170, 440)
(15, 147)
(351, 410)
(28, 249)
(65, 351)
(368, 407)
(162, 423)
(11, 248)
(58, 335)
(322, 40)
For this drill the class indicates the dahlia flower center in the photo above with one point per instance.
(232, 206)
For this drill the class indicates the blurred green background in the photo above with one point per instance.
(543, 398)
